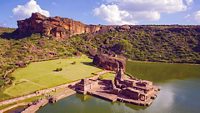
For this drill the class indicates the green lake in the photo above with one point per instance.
(180, 92)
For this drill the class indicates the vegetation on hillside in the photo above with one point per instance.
(15, 53)
(166, 45)
(153, 43)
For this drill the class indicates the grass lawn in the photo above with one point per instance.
(108, 76)
(40, 75)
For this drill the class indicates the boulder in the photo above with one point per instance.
(109, 62)
(20, 64)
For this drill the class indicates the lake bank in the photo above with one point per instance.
(180, 86)
(65, 92)
(162, 62)
(176, 96)
(163, 73)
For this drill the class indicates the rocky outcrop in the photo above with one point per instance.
(62, 28)
(57, 27)
(109, 62)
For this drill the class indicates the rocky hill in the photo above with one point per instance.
(56, 27)
(157, 43)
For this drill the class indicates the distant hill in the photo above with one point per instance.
(180, 44)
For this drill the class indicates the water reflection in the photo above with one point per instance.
(162, 72)
(176, 96)
(82, 97)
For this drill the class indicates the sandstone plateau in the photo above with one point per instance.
(56, 27)
(63, 28)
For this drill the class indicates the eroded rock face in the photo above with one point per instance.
(109, 62)
(57, 27)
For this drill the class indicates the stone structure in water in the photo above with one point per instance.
(132, 88)
(123, 88)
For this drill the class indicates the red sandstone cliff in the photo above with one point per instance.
(57, 27)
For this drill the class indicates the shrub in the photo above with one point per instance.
(58, 69)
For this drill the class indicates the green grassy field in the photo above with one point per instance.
(108, 76)
(41, 75)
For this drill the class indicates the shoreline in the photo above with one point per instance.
(37, 93)
(35, 107)
(46, 91)
(9, 72)
(140, 61)
(13, 106)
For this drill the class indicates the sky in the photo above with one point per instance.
(107, 12)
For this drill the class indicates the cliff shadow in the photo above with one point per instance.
(88, 63)
(14, 35)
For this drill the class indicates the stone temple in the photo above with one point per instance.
(135, 89)
(123, 88)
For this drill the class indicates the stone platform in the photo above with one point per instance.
(123, 89)
(103, 95)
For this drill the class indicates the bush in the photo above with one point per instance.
(58, 69)
(73, 63)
